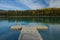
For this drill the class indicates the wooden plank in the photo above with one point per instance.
(29, 32)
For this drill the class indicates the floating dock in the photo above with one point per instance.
(29, 33)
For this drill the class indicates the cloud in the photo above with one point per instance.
(12, 4)
(55, 3)
(37, 4)
(28, 4)
(34, 4)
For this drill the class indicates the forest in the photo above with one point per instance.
(38, 12)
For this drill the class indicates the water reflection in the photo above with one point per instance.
(37, 19)
(53, 33)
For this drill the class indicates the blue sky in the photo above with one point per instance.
(28, 4)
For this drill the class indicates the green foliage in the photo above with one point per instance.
(39, 12)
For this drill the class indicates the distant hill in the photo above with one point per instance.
(3, 10)
(39, 12)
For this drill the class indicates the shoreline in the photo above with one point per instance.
(29, 16)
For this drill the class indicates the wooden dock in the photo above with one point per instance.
(29, 33)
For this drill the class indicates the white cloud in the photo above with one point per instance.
(55, 3)
(37, 5)
(32, 5)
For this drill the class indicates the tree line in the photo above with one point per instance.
(38, 12)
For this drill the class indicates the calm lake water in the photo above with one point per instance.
(53, 33)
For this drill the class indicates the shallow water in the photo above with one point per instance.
(53, 33)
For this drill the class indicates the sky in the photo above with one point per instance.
(28, 4)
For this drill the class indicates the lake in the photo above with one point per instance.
(53, 23)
